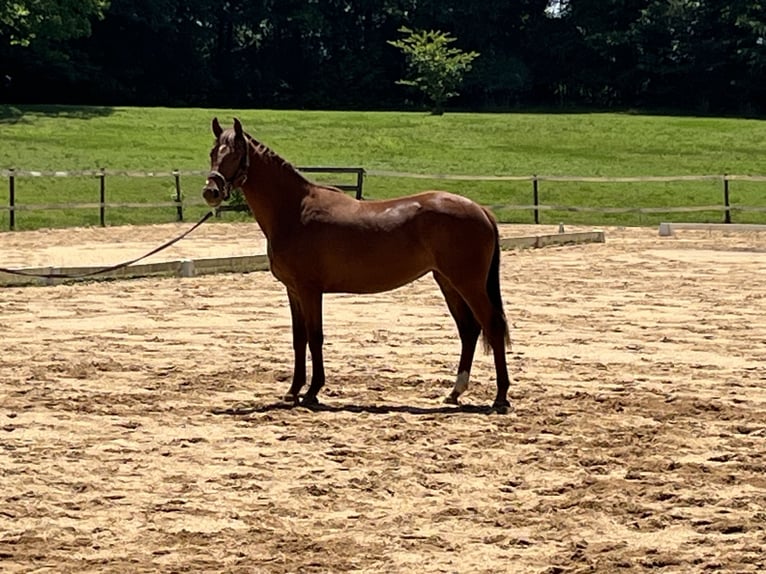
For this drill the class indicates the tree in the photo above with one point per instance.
(151, 52)
(709, 55)
(36, 57)
(434, 67)
(24, 23)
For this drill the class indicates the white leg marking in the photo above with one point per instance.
(461, 384)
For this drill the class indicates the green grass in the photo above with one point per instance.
(577, 144)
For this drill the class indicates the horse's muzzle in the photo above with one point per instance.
(215, 191)
(212, 196)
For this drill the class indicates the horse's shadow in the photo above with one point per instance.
(249, 408)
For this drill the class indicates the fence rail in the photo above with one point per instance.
(571, 178)
(536, 206)
(101, 174)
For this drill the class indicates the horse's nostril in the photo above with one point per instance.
(216, 194)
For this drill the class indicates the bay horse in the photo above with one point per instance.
(321, 240)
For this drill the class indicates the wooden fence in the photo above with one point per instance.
(535, 180)
(725, 205)
(178, 202)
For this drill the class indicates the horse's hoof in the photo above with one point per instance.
(309, 401)
(501, 407)
(290, 398)
(451, 399)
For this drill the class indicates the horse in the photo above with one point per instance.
(321, 240)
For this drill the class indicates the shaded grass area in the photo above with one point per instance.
(584, 144)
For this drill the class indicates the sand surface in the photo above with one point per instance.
(140, 428)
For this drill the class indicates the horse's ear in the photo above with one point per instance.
(217, 130)
(237, 128)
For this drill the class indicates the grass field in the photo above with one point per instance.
(574, 144)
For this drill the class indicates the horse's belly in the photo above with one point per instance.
(373, 275)
(349, 267)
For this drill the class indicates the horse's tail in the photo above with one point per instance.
(499, 321)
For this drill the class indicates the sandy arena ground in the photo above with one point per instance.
(140, 428)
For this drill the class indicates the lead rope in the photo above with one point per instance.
(165, 245)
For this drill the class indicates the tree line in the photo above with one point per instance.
(698, 56)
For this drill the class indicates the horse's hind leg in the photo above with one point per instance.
(468, 329)
(495, 330)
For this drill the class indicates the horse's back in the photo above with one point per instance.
(348, 245)
(425, 210)
(428, 222)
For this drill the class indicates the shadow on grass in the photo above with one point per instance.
(10, 114)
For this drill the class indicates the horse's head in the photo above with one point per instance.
(229, 162)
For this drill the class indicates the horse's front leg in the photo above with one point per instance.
(312, 313)
(299, 349)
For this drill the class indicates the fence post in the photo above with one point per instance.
(359, 182)
(536, 198)
(102, 197)
(727, 213)
(12, 199)
(179, 205)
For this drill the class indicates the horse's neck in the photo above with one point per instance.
(274, 191)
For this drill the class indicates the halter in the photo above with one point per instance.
(238, 179)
